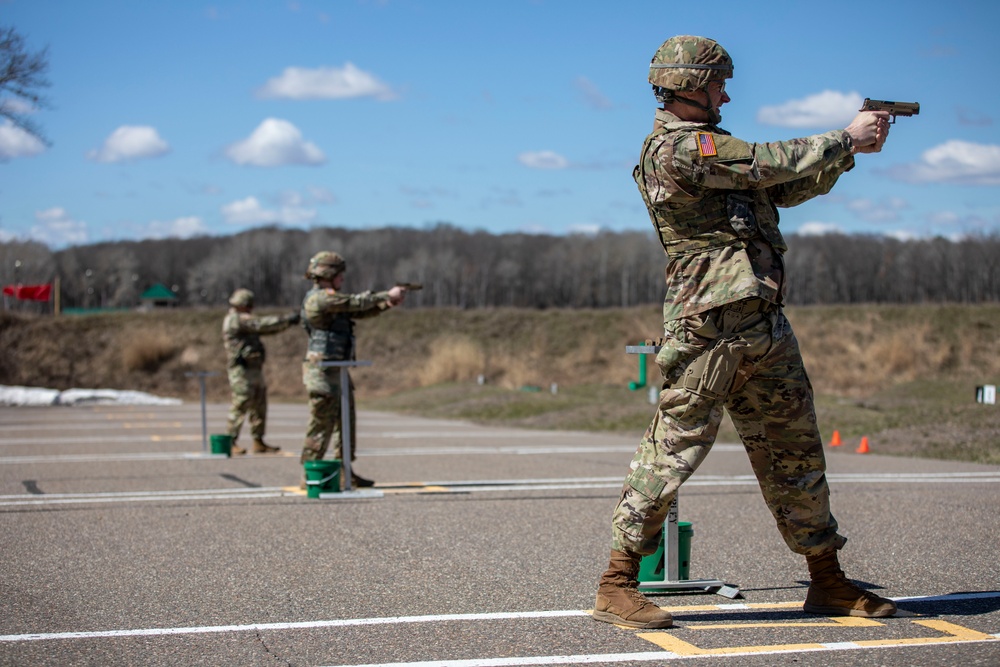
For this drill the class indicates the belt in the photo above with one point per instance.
(734, 313)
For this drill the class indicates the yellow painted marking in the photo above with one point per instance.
(952, 632)
(734, 607)
(835, 622)
(670, 643)
(856, 622)
(952, 629)
(293, 489)
(955, 633)
(173, 438)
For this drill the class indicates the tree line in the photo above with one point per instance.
(477, 269)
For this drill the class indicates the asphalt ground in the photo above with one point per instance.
(125, 543)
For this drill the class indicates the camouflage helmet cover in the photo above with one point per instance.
(325, 265)
(241, 298)
(688, 63)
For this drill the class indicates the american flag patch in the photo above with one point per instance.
(706, 145)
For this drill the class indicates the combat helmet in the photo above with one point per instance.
(687, 63)
(325, 265)
(241, 298)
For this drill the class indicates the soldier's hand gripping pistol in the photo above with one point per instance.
(894, 108)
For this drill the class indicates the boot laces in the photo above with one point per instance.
(841, 581)
(637, 597)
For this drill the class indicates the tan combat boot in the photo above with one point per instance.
(619, 600)
(832, 594)
(236, 450)
(259, 447)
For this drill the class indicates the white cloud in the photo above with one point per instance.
(325, 83)
(816, 228)
(943, 218)
(55, 226)
(902, 235)
(274, 143)
(592, 96)
(15, 142)
(182, 228)
(16, 105)
(954, 161)
(321, 195)
(583, 228)
(829, 109)
(543, 160)
(250, 211)
(886, 210)
(129, 143)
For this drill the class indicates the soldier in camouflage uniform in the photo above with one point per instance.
(713, 202)
(241, 332)
(328, 317)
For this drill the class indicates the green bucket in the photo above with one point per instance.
(322, 477)
(221, 444)
(652, 568)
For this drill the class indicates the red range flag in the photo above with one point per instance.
(29, 292)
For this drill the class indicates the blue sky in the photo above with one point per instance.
(189, 117)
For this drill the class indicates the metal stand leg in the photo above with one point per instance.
(345, 432)
(671, 537)
(671, 566)
(201, 375)
(345, 426)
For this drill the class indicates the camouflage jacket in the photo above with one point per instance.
(328, 317)
(241, 334)
(713, 201)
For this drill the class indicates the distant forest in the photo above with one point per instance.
(477, 269)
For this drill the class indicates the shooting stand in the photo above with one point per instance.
(672, 581)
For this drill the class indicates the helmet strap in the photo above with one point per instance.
(714, 117)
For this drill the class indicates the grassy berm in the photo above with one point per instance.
(906, 377)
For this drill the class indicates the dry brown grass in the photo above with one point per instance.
(451, 358)
(849, 351)
(857, 351)
(147, 351)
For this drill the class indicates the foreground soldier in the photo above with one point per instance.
(241, 333)
(712, 201)
(328, 317)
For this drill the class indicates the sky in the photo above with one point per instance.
(185, 118)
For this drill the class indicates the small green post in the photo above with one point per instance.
(642, 374)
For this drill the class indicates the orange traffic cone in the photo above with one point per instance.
(863, 448)
(835, 440)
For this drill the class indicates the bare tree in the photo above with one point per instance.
(22, 75)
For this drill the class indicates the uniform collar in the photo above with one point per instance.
(664, 117)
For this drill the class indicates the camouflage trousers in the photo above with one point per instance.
(742, 357)
(325, 425)
(249, 399)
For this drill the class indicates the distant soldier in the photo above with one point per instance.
(328, 317)
(241, 333)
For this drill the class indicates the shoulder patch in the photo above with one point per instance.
(706, 145)
(733, 149)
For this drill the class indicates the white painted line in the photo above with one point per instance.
(90, 458)
(468, 486)
(297, 435)
(394, 452)
(678, 611)
(650, 656)
(304, 625)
